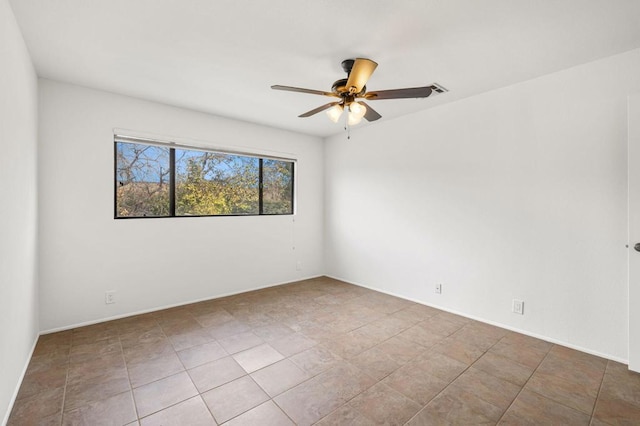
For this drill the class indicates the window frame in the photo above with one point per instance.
(172, 146)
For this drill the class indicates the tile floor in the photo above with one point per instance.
(317, 351)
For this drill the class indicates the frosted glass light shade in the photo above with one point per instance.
(356, 112)
(353, 119)
(334, 113)
(357, 109)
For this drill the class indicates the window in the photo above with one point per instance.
(170, 181)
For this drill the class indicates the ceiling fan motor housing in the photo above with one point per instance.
(347, 65)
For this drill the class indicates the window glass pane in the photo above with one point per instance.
(142, 180)
(277, 187)
(210, 183)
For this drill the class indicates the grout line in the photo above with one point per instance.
(461, 373)
(525, 384)
(604, 374)
(565, 380)
(126, 366)
(410, 360)
(66, 381)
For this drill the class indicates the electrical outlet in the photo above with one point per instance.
(109, 297)
(518, 307)
(299, 265)
(438, 288)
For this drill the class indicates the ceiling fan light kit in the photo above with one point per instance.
(335, 112)
(352, 89)
(354, 116)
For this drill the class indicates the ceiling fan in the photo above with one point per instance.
(350, 90)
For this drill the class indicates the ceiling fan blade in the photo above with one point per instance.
(360, 73)
(371, 114)
(319, 109)
(413, 92)
(301, 90)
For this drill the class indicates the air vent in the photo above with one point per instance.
(437, 88)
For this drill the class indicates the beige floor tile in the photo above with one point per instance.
(266, 414)
(345, 379)
(620, 383)
(216, 373)
(316, 360)
(401, 350)
(43, 380)
(91, 351)
(192, 338)
(318, 350)
(228, 328)
(214, 318)
(192, 412)
(163, 393)
(617, 412)
(47, 362)
(421, 336)
(571, 394)
(452, 409)
(416, 313)
(526, 355)
(100, 387)
(256, 358)
(292, 344)
(308, 402)
(476, 337)
(142, 336)
(30, 410)
(272, 331)
(279, 377)
(376, 363)
(442, 325)
(146, 351)
(94, 333)
(383, 405)
(141, 373)
(529, 408)
(201, 354)
(240, 342)
(491, 389)
(117, 409)
(420, 386)
(582, 372)
(234, 398)
(345, 415)
(504, 368)
(464, 351)
(137, 324)
(517, 339)
(350, 344)
(438, 365)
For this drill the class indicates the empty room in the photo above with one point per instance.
(319, 212)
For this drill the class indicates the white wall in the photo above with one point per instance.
(18, 218)
(152, 263)
(634, 230)
(516, 193)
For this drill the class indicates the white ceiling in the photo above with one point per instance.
(222, 56)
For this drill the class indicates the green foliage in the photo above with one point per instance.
(277, 185)
(216, 184)
(143, 199)
(142, 178)
(206, 183)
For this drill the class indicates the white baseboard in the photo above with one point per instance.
(15, 392)
(175, 305)
(497, 324)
